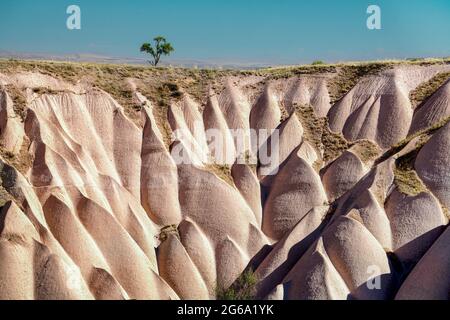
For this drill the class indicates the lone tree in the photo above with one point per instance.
(162, 47)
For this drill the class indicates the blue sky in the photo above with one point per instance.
(277, 32)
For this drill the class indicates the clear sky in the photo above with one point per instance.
(278, 32)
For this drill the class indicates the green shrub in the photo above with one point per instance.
(242, 289)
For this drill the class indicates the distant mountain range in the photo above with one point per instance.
(87, 57)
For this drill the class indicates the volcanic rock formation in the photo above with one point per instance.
(126, 194)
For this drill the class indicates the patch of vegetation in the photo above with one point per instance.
(317, 132)
(408, 182)
(168, 91)
(313, 126)
(242, 289)
(19, 101)
(174, 90)
(223, 171)
(446, 212)
(21, 161)
(405, 176)
(422, 134)
(251, 161)
(317, 62)
(334, 144)
(348, 76)
(166, 231)
(4, 196)
(46, 90)
(289, 72)
(112, 78)
(284, 113)
(8, 177)
(366, 150)
(160, 47)
(14, 238)
(425, 90)
(163, 86)
(349, 69)
(415, 59)
(7, 155)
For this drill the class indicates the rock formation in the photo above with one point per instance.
(96, 204)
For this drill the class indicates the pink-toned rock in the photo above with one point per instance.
(289, 250)
(177, 268)
(342, 175)
(248, 185)
(236, 110)
(219, 138)
(224, 218)
(315, 278)
(433, 165)
(278, 148)
(378, 107)
(416, 222)
(265, 114)
(359, 259)
(28, 270)
(11, 130)
(308, 90)
(296, 190)
(433, 110)
(159, 178)
(429, 279)
(201, 252)
(104, 287)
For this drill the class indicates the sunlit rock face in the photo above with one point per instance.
(182, 198)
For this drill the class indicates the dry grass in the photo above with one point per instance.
(422, 135)
(317, 132)
(112, 79)
(313, 126)
(223, 171)
(425, 90)
(21, 161)
(8, 178)
(334, 145)
(407, 180)
(46, 90)
(289, 72)
(4, 196)
(164, 86)
(446, 212)
(242, 289)
(366, 150)
(251, 161)
(166, 231)
(15, 238)
(405, 176)
(346, 74)
(19, 101)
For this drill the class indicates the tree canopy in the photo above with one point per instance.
(160, 47)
